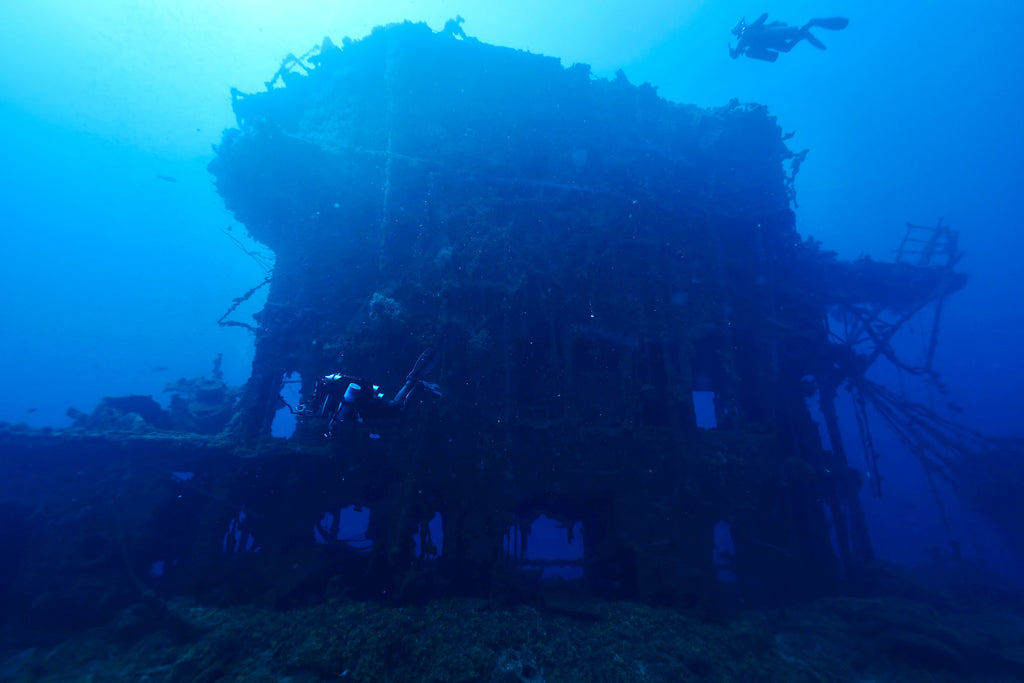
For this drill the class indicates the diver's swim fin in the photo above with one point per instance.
(830, 23)
(424, 364)
(814, 41)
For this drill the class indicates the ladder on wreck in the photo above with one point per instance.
(876, 326)
(930, 245)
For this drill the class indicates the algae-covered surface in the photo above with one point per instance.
(921, 637)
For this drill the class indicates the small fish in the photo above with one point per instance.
(167, 178)
(31, 410)
(159, 368)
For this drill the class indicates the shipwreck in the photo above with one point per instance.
(630, 338)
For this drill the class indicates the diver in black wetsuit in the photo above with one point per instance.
(761, 40)
(340, 397)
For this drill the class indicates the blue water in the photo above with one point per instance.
(117, 257)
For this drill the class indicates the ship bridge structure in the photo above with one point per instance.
(631, 341)
(587, 259)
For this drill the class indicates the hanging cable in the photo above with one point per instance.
(870, 454)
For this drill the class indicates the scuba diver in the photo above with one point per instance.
(765, 41)
(341, 397)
